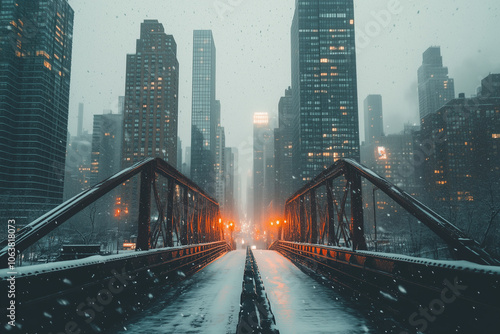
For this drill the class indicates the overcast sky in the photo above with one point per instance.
(253, 53)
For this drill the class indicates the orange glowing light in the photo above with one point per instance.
(381, 153)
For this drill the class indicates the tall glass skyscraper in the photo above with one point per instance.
(435, 88)
(324, 85)
(35, 67)
(204, 111)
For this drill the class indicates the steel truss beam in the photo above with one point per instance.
(351, 230)
(200, 213)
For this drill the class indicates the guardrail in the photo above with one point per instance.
(302, 224)
(94, 292)
(423, 293)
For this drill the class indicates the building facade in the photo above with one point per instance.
(263, 167)
(204, 111)
(78, 176)
(219, 168)
(151, 97)
(230, 175)
(374, 121)
(35, 68)
(324, 85)
(179, 154)
(283, 152)
(464, 161)
(389, 156)
(107, 137)
(435, 88)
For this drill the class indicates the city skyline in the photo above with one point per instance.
(272, 32)
(248, 69)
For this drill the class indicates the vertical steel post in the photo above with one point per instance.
(302, 218)
(185, 221)
(195, 220)
(331, 214)
(296, 221)
(144, 221)
(170, 212)
(314, 218)
(357, 223)
(211, 216)
(203, 221)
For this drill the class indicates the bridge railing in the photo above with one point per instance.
(165, 209)
(329, 210)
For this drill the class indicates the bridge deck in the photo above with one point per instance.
(300, 304)
(208, 302)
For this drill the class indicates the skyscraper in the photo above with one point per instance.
(179, 154)
(220, 148)
(263, 164)
(283, 148)
(35, 67)
(106, 146)
(77, 176)
(204, 111)
(490, 86)
(374, 121)
(107, 139)
(230, 159)
(435, 88)
(79, 131)
(151, 97)
(324, 85)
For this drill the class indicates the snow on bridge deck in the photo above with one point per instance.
(209, 301)
(300, 304)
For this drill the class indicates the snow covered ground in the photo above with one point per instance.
(208, 302)
(302, 305)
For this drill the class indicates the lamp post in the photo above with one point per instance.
(231, 229)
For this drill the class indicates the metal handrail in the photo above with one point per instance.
(39, 228)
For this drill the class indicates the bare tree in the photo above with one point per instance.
(493, 206)
(90, 233)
